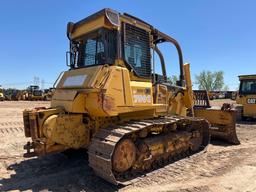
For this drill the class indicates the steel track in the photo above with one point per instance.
(104, 142)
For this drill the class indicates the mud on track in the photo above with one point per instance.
(222, 168)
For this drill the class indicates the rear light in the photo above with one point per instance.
(113, 17)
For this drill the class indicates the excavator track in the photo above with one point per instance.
(185, 134)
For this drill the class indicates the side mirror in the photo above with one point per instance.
(68, 58)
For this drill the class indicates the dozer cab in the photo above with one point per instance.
(247, 96)
(110, 101)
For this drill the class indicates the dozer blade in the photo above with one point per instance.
(222, 119)
(223, 123)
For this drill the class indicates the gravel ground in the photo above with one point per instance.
(222, 168)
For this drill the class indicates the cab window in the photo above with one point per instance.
(248, 87)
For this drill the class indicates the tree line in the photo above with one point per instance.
(207, 80)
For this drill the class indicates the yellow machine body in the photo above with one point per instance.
(103, 90)
(247, 95)
(105, 93)
(1, 94)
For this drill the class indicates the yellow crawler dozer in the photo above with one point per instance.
(247, 95)
(130, 119)
(32, 93)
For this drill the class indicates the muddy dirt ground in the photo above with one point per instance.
(222, 168)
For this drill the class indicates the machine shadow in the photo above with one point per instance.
(248, 121)
(54, 173)
(220, 142)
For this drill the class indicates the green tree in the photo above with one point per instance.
(225, 88)
(211, 81)
(173, 79)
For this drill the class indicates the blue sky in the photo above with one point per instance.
(214, 35)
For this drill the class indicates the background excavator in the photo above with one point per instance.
(111, 102)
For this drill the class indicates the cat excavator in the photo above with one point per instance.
(111, 102)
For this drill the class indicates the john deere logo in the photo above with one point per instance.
(251, 101)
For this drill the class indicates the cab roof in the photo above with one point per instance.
(104, 12)
(108, 18)
(244, 77)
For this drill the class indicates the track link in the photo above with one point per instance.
(104, 142)
(11, 127)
